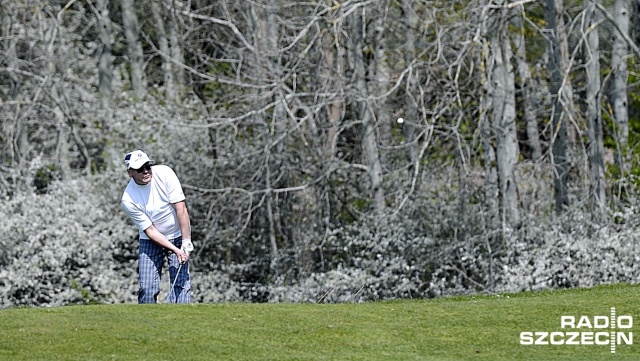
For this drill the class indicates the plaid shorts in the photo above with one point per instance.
(150, 262)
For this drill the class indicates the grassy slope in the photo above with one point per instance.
(465, 328)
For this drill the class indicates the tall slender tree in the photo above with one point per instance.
(52, 29)
(332, 63)
(169, 84)
(504, 116)
(14, 129)
(526, 85)
(364, 111)
(619, 77)
(591, 55)
(380, 73)
(487, 135)
(105, 56)
(557, 59)
(411, 97)
(131, 29)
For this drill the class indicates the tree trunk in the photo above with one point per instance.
(134, 48)
(555, 29)
(14, 131)
(591, 53)
(410, 101)
(332, 64)
(364, 112)
(167, 66)
(266, 42)
(491, 192)
(504, 118)
(526, 88)
(618, 95)
(381, 72)
(333, 54)
(105, 57)
(53, 39)
(176, 45)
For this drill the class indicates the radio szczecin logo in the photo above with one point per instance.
(610, 330)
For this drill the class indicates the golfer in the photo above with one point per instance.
(155, 202)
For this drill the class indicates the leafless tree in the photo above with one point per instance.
(526, 84)
(591, 54)
(364, 111)
(131, 29)
(105, 57)
(559, 89)
(163, 39)
(620, 74)
(504, 115)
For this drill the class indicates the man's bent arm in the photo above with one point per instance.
(183, 219)
(161, 240)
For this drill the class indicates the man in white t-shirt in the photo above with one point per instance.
(155, 202)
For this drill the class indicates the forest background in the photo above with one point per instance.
(329, 151)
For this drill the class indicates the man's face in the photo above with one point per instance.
(141, 176)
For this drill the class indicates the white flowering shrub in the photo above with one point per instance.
(562, 253)
(339, 285)
(65, 246)
(373, 259)
(213, 286)
(68, 240)
(71, 243)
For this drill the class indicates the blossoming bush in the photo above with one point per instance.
(71, 243)
(65, 246)
(566, 252)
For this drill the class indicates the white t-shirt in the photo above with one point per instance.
(151, 204)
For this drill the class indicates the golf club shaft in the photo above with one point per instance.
(174, 284)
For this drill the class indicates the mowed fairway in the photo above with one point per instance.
(462, 328)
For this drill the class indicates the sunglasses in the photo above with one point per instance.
(146, 166)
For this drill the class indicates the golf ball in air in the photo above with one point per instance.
(400, 120)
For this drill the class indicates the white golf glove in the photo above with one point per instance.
(187, 246)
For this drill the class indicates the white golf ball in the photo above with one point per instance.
(400, 120)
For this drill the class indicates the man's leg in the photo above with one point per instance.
(149, 270)
(182, 289)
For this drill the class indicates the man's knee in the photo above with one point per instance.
(148, 294)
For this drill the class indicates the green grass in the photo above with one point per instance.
(461, 328)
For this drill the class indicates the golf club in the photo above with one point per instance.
(174, 283)
(187, 247)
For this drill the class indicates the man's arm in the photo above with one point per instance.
(161, 240)
(183, 219)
